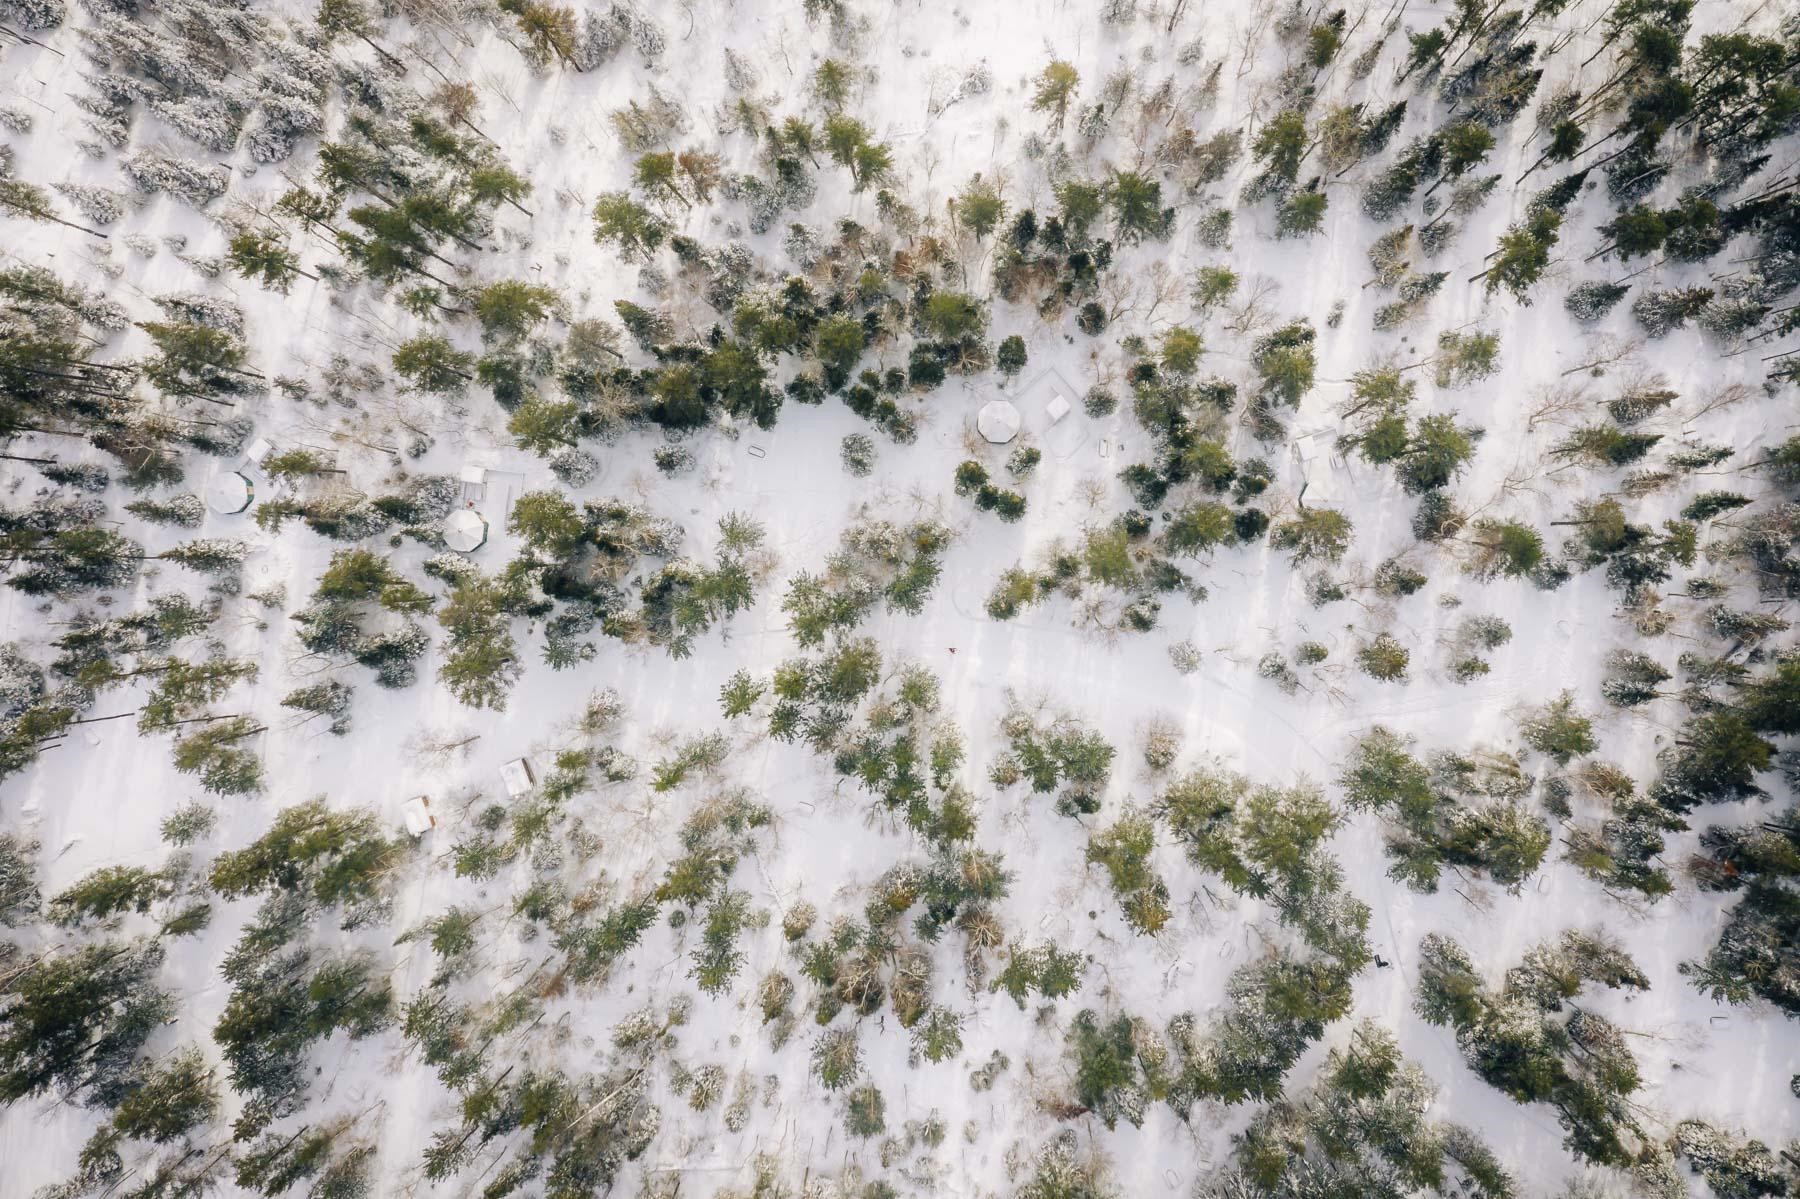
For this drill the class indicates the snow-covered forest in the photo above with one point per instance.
(867, 599)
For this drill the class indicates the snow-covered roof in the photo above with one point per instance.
(516, 774)
(229, 492)
(998, 421)
(465, 531)
(417, 814)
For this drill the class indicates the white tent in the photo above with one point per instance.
(465, 531)
(229, 492)
(998, 421)
(516, 774)
(417, 814)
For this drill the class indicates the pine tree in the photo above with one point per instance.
(1286, 360)
(550, 30)
(101, 205)
(1605, 445)
(979, 208)
(937, 1037)
(433, 365)
(225, 767)
(27, 200)
(168, 1100)
(1528, 1041)
(837, 1058)
(831, 83)
(69, 560)
(1384, 659)
(260, 256)
(1136, 203)
(350, 17)
(1523, 254)
(1463, 358)
(1715, 758)
(1365, 1112)
(481, 660)
(155, 170)
(112, 890)
(19, 892)
(198, 360)
(509, 309)
(1280, 146)
(75, 1021)
(1661, 312)
(630, 226)
(1313, 534)
(330, 698)
(1301, 214)
(1123, 850)
(211, 555)
(1559, 731)
(1391, 190)
(1055, 90)
(847, 141)
(334, 857)
(1435, 452)
(1507, 549)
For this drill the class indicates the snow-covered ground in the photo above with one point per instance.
(99, 798)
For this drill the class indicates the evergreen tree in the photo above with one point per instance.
(262, 257)
(481, 661)
(111, 890)
(224, 765)
(1055, 90)
(332, 857)
(1313, 534)
(1559, 731)
(19, 893)
(433, 365)
(1301, 214)
(634, 229)
(1361, 1129)
(198, 360)
(509, 309)
(1714, 758)
(979, 208)
(1452, 812)
(75, 1021)
(30, 201)
(1507, 549)
(1746, 963)
(1010, 357)
(67, 560)
(1136, 203)
(1463, 358)
(1529, 1041)
(168, 1100)
(1523, 254)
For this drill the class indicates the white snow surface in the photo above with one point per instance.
(99, 799)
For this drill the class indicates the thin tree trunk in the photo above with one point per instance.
(389, 58)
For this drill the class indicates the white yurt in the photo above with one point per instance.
(998, 421)
(229, 492)
(465, 531)
(417, 814)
